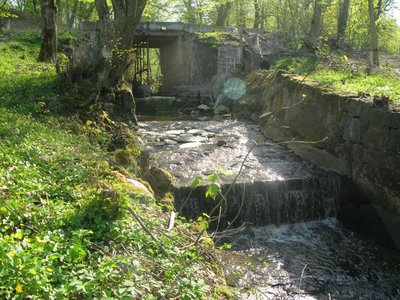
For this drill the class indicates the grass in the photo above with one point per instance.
(24, 80)
(66, 231)
(344, 75)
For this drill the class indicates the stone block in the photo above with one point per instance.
(321, 158)
(376, 138)
(394, 141)
(352, 130)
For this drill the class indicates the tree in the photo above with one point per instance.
(127, 15)
(374, 38)
(343, 17)
(315, 28)
(48, 49)
(257, 13)
(223, 10)
(104, 20)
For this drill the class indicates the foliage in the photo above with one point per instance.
(5, 12)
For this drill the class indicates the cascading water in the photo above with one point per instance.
(303, 253)
(313, 260)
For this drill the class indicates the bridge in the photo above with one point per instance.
(189, 68)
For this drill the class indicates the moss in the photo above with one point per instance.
(167, 202)
(123, 157)
(223, 292)
(159, 178)
(118, 176)
(216, 39)
(146, 184)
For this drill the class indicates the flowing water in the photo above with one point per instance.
(292, 246)
(313, 260)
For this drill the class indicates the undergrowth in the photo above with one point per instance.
(340, 73)
(65, 227)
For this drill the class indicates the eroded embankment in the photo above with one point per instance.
(360, 141)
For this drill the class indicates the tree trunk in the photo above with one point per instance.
(34, 2)
(223, 13)
(263, 16)
(104, 19)
(374, 38)
(48, 49)
(342, 20)
(315, 29)
(240, 15)
(72, 15)
(257, 14)
(127, 14)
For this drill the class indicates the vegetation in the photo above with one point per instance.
(72, 224)
(69, 225)
(339, 73)
(216, 39)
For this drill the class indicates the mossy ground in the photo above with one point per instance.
(65, 227)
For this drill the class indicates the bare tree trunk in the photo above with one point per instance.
(34, 2)
(342, 20)
(240, 15)
(257, 14)
(374, 38)
(72, 15)
(48, 49)
(104, 19)
(127, 14)
(315, 29)
(263, 16)
(223, 13)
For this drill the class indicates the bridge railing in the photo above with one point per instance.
(175, 26)
(172, 26)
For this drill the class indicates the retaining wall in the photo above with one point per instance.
(359, 140)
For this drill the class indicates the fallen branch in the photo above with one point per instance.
(171, 221)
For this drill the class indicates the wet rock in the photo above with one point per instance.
(197, 131)
(174, 132)
(221, 143)
(190, 145)
(170, 142)
(189, 138)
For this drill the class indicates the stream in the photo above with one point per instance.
(291, 245)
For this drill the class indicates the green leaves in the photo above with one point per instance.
(214, 188)
(197, 182)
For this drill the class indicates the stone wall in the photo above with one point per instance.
(341, 133)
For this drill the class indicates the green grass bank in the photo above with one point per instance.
(67, 213)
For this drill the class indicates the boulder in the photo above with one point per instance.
(140, 187)
(159, 178)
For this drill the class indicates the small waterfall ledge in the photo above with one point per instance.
(275, 186)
